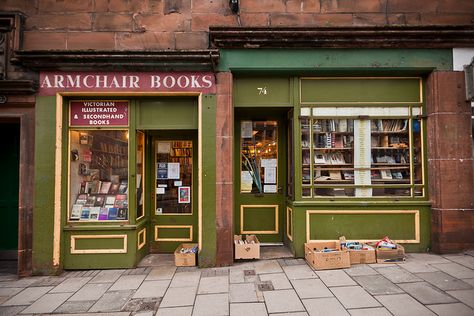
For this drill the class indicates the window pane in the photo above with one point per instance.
(259, 157)
(140, 173)
(174, 177)
(99, 175)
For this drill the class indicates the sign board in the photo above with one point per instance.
(54, 82)
(98, 113)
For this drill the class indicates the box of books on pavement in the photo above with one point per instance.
(186, 255)
(388, 251)
(248, 248)
(358, 252)
(323, 255)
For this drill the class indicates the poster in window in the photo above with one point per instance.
(246, 129)
(162, 171)
(173, 170)
(184, 194)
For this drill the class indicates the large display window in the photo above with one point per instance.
(98, 175)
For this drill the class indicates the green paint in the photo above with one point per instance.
(311, 61)
(167, 113)
(258, 91)
(99, 243)
(361, 90)
(259, 218)
(10, 161)
(164, 232)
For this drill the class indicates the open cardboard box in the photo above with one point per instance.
(185, 259)
(326, 260)
(249, 250)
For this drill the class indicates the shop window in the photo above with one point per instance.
(98, 175)
(140, 172)
(361, 157)
(259, 157)
(174, 177)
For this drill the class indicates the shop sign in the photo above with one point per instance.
(99, 113)
(54, 82)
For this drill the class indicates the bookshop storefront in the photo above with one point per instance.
(129, 169)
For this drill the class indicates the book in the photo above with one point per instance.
(99, 201)
(123, 187)
(110, 200)
(342, 126)
(90, 200)
(76, 211)
(120, 201)
(81, 199)
(94, 213)
(335, 175)
(112, 214)
(85, 214)
(386, 174)
(103, 214)
(105, 187)
(114, 188)
(94, 186)
(122, 213)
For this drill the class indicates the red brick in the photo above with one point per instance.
(201, 22)
(455, 6)
(155, 6)
(224, 83)
(405, 6)
(164, 23)
(48, 6)
(14, 5)
(371, 6)
(91, 40)
(146, 41)
(44, 40)
(255, 19)
(211, 6)
(58, 22)
(224, 224)
(303, 6)
(263, 6)
(101, 6)
(192, 40)
(369, 19)
(447, 19)
(397, 19)
(448, 136)
(127, 6)
(338, 6)
(177, 6)
(224, 157)
(445, 93)
(113, 22)
(224, 124)
(341, 19)
(451, 230)
(413, 18)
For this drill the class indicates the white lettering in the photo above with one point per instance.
(195, 82)
(114, 83)
(155, 81)
(46, 83)
(134, 82)
(73, 82)
(168, 84)
(182, 84)
(207, 80)
(85, 81)
(101, 80)
(58, 81)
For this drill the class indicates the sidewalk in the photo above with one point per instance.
(425, 284)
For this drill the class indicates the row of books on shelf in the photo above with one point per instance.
(95, 213)
(113, 148)
(119, 200)
(385, 174)
(103, 187)
(183, 144)
(336, 158)
(332, 140)
(397, 125)
(331, 125)
(391, 159)
(182, 152)
(389, 141)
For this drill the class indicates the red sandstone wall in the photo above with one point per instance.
(183, 24)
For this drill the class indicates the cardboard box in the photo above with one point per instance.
(326, 260)
(185, 259)
(362, 256)
(247, 250)
(390, 255)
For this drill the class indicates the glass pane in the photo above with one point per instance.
(259, 157)
(140, 173)
(99, 175)
(174, 177)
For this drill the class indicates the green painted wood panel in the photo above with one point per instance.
(360, 90)
(259, 91)
(167, 113)
(174, 233)
(99, 243)
(259, 219)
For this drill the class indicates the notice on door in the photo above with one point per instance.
(99, 113)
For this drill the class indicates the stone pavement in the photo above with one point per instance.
(425, 284)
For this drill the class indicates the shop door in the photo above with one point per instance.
(174, 191)
(260, 174)
(9, 160)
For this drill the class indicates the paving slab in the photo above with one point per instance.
(354, 297)
(111, 301)
(47, 303)
(179, 296)
(299, 272)
(415, 266)
(328, 306)
(398, 275)
(217, 284)
(335, 278)
(465, 296)
(311, 288)
(254, 309)
(236, 276)
(91, 292)
(469, 281)
(96, 314)
(11, 310)
(360, 269)
(465, 260)
(28, 296)
(107, 276)
(282, 301)
(150, 289)
(375, 311)
(161, 273)
(403, 305)
(25, 282)
(267, 266)
(175, 311)
(427, 258)
(456, 270)
(426, 293)
(70, 307)
(290, 314)
(10, 291)
(455, 309)
(377, 284)
(49, 281)
(279, 280)
(211, 305)
(71, 285)
(186, 279)
(243, 293)
(127, 282)
(444, 281)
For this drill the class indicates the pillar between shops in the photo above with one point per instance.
(224, 167)
(450, 163)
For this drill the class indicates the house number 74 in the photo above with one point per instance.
(262, 91)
